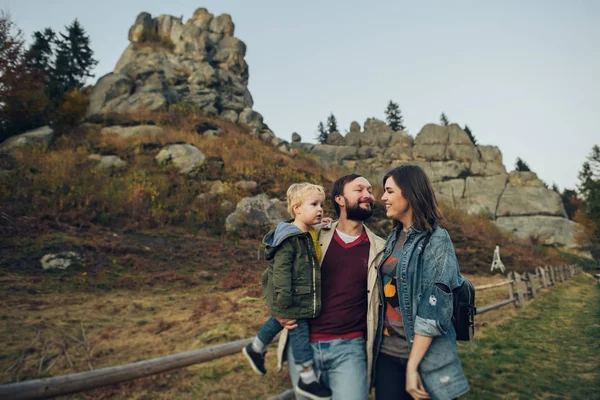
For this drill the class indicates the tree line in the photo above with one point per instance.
(40, 84)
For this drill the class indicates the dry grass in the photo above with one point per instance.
(124, 326)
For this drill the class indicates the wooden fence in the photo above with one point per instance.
(521, 287)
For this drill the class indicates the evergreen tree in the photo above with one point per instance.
(571, 202)
(521, 166)
(322, 134)
(331, 124)
(394, 117)
(589, 188)
(470, 134)
(40, 55)
(74, 57)
(65, 60)
(444, 120)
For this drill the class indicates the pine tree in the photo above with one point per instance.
(322, 134)
(521, 166)
(40, 55)
(74, 57)
(470, 134)
(331, 124)
(65, 60)
(394, 117)
(589, 188)
(444, 120)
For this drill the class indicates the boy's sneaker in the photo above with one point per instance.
(256, 359)
(315, 390)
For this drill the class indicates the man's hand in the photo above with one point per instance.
(326, 220)
(414, 385)
(287, 323)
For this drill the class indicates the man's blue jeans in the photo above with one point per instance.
(299, 338)
(343, 364)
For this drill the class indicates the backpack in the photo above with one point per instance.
(463, 310)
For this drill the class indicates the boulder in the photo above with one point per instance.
(40, 138)
(108, 163)
(251, 118)
(429, 152)
(247, 185)
(296, 138)
(517, 201)
(524, 179)
(398, 153)
(230, 115)
(62, 260)
(131, 132)
(354, 127)
(201, 18)
(218, 187)
(336, 139)
(450, 191)
(432, 134)
(353, 138)
(255, 213)
(547, 230)
(482, 194)
(185, 157)
(107, 89)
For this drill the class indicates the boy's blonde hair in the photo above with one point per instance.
(298, 192)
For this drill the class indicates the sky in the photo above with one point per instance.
(523, 75)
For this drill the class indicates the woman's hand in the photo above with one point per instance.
(414, 385)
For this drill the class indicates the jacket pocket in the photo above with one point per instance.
(302, 295)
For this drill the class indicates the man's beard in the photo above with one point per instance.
(356, 213)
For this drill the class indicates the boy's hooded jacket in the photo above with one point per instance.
(292, 281)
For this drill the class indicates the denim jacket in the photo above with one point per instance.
(426, 307)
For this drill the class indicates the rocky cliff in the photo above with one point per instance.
(471, 178)
(199, 63)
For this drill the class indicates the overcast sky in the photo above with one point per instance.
(522, 74)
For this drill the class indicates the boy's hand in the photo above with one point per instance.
(288, 324)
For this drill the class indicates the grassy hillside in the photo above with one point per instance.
(160, 275)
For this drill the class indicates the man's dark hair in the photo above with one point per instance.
(417, 190)
(338, 189)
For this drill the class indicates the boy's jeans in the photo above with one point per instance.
(299, 339)
(343, 365)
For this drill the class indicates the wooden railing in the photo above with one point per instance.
(521, 287)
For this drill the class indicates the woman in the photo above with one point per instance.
(415, 348)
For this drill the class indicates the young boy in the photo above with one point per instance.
(292, 285)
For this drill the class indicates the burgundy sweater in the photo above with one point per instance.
(343, 291)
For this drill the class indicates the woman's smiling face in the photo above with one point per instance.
(396, 205)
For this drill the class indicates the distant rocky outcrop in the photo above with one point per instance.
(199, 63)
(471, 178)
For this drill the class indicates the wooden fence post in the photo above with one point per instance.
(517, 278)
(543, 275)
(559, 271)
(511, 291)
(531, 280)
(549, 275)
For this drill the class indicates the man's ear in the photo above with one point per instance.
(340, 201)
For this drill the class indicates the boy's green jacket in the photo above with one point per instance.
(292, 280)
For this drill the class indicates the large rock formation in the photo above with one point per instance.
(468, 177)
(198, 63)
